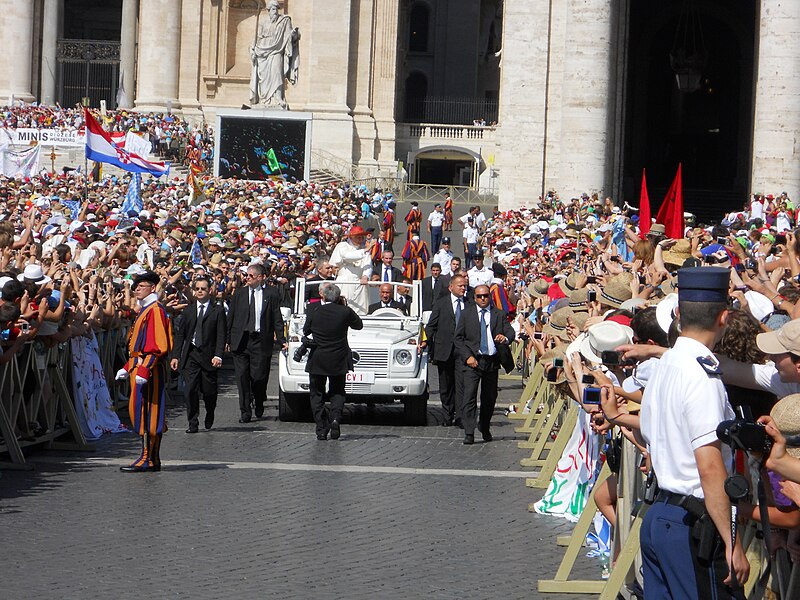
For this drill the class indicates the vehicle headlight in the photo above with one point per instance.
(403, 357)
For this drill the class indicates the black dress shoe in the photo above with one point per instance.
(140, 469)
(487, 435)
(209, 423)
(191, 430)
(322, 437)
(245, 419)
(448, 422)
(335, 430)
(469, 439)
(458, 423)
(259, 411)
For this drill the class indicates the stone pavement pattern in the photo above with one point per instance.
(264, 510)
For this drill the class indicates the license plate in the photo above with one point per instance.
(361, 377)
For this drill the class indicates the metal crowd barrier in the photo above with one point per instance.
(36, 403)
(547, 447)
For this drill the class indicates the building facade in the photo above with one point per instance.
(509, 97)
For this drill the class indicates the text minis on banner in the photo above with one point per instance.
(46, 137)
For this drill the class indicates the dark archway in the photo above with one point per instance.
(416, 92)
(709, 130)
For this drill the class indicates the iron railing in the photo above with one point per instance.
(450, 110)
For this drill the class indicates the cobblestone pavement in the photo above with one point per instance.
(264, 510)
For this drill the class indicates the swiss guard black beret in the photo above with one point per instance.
(703, 284)
(148, 277)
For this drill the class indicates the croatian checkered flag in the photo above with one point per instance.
(133, 197)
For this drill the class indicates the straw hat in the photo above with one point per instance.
(616, 291)
(569, 284)
(557, 324)
(679, 253)
(657, 229)
(578, 300)
(539, 288)
(547, 358)
(786, 414)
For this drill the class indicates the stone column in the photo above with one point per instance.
(49, 38)
(776, 134)
(587, 99)
(159, 54)
(127, 50)
(16, 31)
(384, 82)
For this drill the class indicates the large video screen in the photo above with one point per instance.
(262, 148)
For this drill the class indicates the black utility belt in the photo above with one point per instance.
(694, 506)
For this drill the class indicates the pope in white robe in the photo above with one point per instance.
(353, 260)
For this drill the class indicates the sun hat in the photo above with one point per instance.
(603, 337)
(786, 339)
(33, 273)
(786, 415)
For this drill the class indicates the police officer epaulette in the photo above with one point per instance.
(710, 365)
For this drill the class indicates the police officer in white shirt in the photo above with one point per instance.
(444, 256)
(435, 221)
(479, 274)
(683, 403)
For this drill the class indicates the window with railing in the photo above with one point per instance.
(449, 110)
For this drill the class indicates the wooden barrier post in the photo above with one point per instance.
(554, 453)
(561, 583)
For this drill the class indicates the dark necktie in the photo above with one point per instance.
(198, 329)
(386, 274)
(433, 282)
(484, 349)
(251, 318)
(458, 310)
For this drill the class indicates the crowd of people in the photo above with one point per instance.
(169, 135)
(654, 338)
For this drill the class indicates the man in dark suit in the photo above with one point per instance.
(404, 295)
(330, 357)
(324, 273)
(254, 325)
(481, 331)
(385, 271)
(433, 287)
(440, 331)
(386, 300)
(197, 351)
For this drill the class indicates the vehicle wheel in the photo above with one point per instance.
(294, 407)
(415, 410)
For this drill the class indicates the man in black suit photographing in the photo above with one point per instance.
(254, 325)
(197, 351)
(441, 331)
(481, 335)
(330, 357)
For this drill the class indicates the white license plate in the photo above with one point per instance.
(361, 377)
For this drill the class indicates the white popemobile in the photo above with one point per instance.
(388, 366)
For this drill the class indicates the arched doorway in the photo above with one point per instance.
(444, 165)
(709, 130)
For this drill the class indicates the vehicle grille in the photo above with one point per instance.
(373, 359)
(356, 388)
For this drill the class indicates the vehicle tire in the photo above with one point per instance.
(294, 407)
(415, 410)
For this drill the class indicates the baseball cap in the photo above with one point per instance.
(785, 339)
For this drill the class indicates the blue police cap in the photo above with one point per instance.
(703, 284)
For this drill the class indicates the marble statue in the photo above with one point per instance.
(275, 55)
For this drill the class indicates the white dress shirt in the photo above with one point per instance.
(257, 300)
(489, 338)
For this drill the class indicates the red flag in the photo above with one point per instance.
(644, 208)
(671, 212)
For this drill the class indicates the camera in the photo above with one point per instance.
(306, 343)
(750, 264)
(610, 357)
(591, 279)
(591, 395)
(740, 433)
(591, 296)
(558, 363)
(538, 335)
(722, 240)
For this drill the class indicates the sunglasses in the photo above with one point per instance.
(202, 289)
(481, 295)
